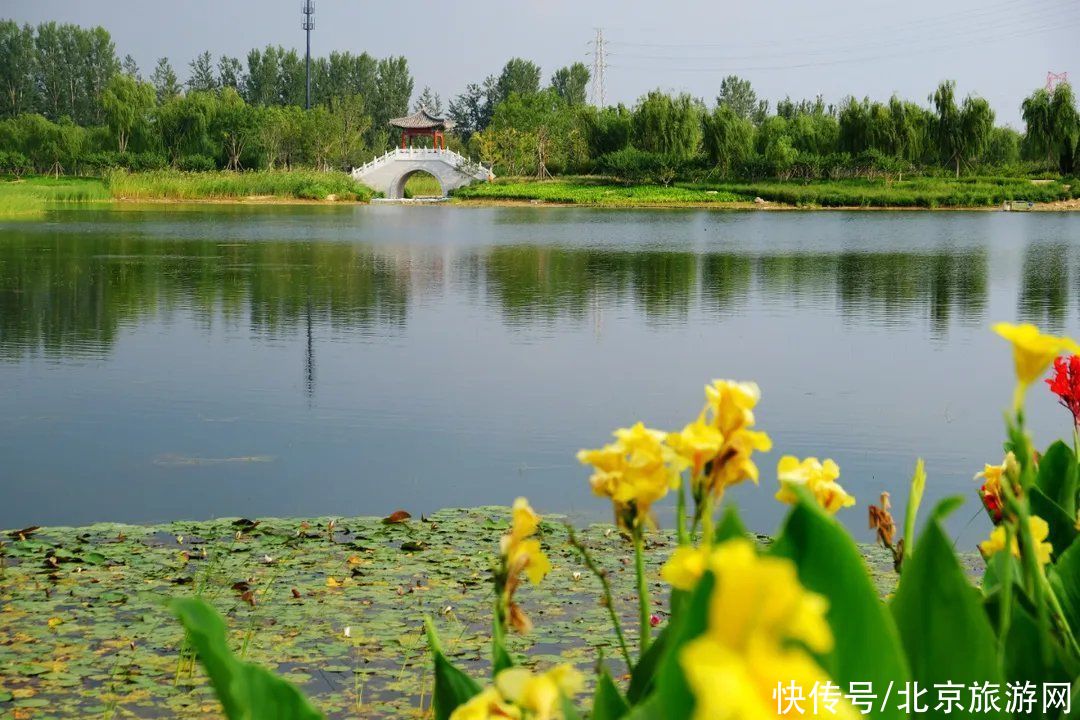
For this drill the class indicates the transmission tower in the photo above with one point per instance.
(599, 86)
(1054, 79)
(308, 10)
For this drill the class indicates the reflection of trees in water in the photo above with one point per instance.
(66, 294)
(70, 295)
(1044, 285)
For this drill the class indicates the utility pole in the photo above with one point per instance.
(599, 86)
(309, 24)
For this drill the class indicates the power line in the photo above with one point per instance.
(599, 85)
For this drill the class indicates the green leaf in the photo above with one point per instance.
(608, 702)
(1064, 578)
(918, 485)
(5, 696)
(1062, 525)
(569, 712)
(1023, 654)
(452, 687)
(643, 675)
(868, 647)
(673, 694)
(946, 507)
(730, 527)
(246, 691)
(944, 629)
(1057, 476)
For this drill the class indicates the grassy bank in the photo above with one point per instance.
(91, 638)
(918, 193)
(33, 196)
(292, 184)
(592, 191)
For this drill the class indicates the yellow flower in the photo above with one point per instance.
(819, 478)
(521, 553)
(991, 476)
(1032, 353)
(487, 705)
(757, 609)
(697, 444)
(539, 694)
(685, 567)
(634, 471)
(1039, 532)
(729, 407)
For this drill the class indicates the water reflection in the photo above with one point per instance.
(66, 296)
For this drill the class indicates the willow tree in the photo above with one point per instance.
(1065, 126)
(961, 132)
(728, 138)
(668, 125)
(127, 104)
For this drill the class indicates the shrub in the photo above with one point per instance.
(196, 163)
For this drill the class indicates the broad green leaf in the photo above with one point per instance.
(500, 658)
(569, 711)
(608, 702)
(643, 675)
(1057, 476)
(452, 686)
(868, 648)
(1062, 525)
(672, 692)
(246, 691)
(943, 626)
(730, 527)
(1064, 579)
(1023, 656)
(915, 495)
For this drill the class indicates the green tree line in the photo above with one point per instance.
(69, 104)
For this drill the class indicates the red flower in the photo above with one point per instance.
(992, 502)
(1066, 384)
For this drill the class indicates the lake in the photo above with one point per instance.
(165, 362)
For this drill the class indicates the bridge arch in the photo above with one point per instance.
(397, 187)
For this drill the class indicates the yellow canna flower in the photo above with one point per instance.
(685, 567)
(1040, 530)
(729, 407)
(539, 694)
(697, 444)
(634, 471)
(521, 553)
(757, 609)
(487, 705)
(1032, 353)
(819, 478)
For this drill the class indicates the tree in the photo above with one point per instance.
(668, 126)
(164, 80)
(50, 145)
(127, 103)
(961, 132)
(533, 133)
(607, 130)
(352, 122)
(728, 138)
(230, 73)
(1035, 109)
(517, 76)
(473, 109)
(1064, 126)
(570, 83)
(739, 95)
(17, 68)
(389, 99)
(184, 123)
(232, 126)
(202, 78)
(430, 101)
(130, 68)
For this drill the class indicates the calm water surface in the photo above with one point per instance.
(191, 362)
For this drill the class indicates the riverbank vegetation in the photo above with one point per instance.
(93, 113)
(33, 196)
(223, 185)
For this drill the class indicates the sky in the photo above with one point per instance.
(998, 49)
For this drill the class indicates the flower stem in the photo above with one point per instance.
(643, 591)
(601, 575)
(680, 515)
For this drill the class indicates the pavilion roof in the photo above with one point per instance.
(422, 120)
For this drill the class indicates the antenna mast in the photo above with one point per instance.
(599, 85)
(308, 10)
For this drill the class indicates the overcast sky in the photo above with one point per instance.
(1000, 50)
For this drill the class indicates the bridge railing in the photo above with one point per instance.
(449, 156)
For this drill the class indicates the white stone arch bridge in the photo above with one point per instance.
(389, 173)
